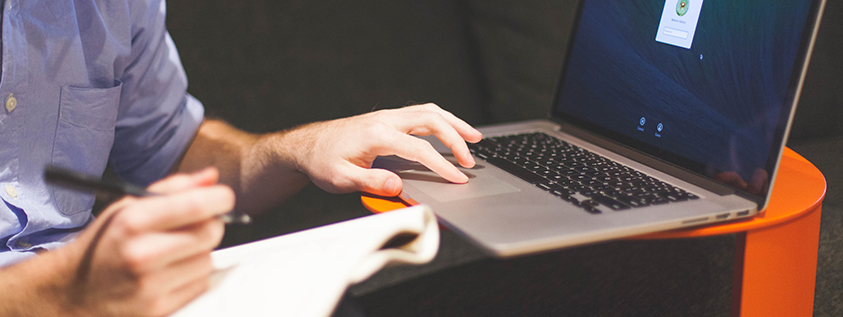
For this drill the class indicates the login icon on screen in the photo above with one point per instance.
(679, 22)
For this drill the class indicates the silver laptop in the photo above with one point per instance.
(668, 114)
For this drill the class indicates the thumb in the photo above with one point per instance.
(376, 181)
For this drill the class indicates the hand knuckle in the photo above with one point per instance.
(193, 205)
(431, 107)
(126, 223)
(451, 144)
(377, 127)
(378, 117)
(213, 233)
(426, 150)
(134, 260)
(378, 114)
(429, 117)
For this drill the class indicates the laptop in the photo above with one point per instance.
(667, 114)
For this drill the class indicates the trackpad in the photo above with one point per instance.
(435, 186)
(419, 177)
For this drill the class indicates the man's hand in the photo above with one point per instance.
(337, 155)
(142, 257)
(150, 256)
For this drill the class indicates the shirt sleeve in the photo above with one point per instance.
(157, 119)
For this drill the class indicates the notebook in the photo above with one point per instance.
(305, 273)
(667, 114)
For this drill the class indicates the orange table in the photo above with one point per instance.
(776, 252)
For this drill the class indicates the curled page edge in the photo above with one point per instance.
(420, 250)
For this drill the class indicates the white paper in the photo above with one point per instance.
(306, 273)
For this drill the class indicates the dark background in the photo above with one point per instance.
(266, 65)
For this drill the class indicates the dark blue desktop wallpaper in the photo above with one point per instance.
(719, 102)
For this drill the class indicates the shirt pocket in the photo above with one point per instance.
(84, 137)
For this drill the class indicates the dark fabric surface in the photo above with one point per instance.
(826, 155)
(682, 277)
(520, 45)
(819, 112)
(264, 65)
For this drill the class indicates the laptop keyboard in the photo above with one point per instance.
(576, 175)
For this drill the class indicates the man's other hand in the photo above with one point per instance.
(150, 256)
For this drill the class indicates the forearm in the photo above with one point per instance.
(260, 169)
(36, 287)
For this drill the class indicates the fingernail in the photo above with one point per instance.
(391, 186)
(464, 178)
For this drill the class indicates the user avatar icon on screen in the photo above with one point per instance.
(682, 7)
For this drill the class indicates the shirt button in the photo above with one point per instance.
(11, 102)
(12, 191)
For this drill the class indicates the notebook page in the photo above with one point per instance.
(306, 273)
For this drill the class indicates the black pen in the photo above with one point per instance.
(87, 183)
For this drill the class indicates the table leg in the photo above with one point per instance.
(776, 269)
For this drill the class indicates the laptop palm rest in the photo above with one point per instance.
(421, 178)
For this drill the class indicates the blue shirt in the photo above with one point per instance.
(84, 83)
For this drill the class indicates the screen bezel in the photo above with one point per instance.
(782, 127)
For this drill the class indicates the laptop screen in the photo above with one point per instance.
(705, 84)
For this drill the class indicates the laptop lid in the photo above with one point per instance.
(709, 86)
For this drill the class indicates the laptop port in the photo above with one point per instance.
(743, 213)
(723, 216)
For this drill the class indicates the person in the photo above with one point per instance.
(91, 83)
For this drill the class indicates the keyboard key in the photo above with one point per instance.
(673, 196)
(571, 199)
(609, 202)
(544, 186)
(516, 170)
(659, 201)
(556, 177)
(487, 143)
(588, 192)
(589, 203)
(632, 201)
(612, 192)
(593, 210)
(562, 192)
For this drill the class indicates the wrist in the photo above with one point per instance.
(41, 286)
(296, 147)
